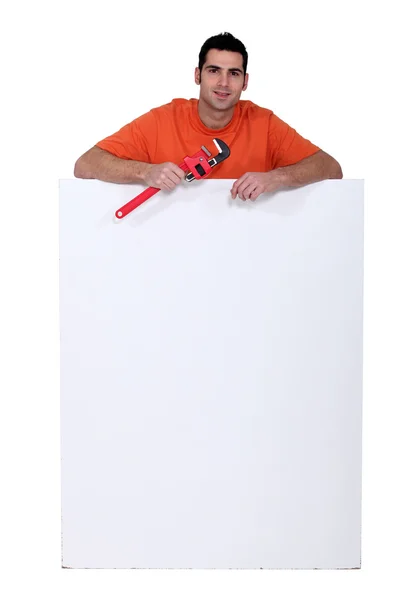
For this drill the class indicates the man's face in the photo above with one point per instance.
(222, 79)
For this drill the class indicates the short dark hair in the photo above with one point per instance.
(223, 41)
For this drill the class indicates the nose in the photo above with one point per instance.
(223, 79)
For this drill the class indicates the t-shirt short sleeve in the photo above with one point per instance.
(286, 146)
(132, 140)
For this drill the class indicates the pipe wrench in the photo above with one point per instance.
(199, 166)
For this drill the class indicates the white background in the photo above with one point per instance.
(71, 74)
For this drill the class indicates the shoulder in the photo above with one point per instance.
(176, 105)
(160, 115)
(253, 110)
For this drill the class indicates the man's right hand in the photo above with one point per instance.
(164, 176)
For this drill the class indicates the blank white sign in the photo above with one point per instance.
(211, 377)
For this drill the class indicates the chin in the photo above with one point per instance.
(223, 105)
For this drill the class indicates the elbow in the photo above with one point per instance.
(338, 171)
(79, 170)
(335, 170)
(85, 166)
(330, 166)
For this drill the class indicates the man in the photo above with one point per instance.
(266, 153)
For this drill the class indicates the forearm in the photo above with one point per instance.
(99, 164)
(315, 168)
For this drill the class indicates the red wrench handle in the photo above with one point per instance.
(135, 202)
(138, 200)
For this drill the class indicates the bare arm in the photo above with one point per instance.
(318, 167)
(314, 168)
(99, 164)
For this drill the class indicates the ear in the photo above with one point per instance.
(246, 82)
(197, 75)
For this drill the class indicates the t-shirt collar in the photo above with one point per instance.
(199, 125)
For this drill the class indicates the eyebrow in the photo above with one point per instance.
(217, 67)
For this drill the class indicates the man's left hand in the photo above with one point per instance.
(250, 185)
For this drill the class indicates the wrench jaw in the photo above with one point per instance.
(206, 151)
(223, 153)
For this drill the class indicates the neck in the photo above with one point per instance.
(214, 119)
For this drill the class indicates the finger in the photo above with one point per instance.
(241, 186)
(234, 190)
(180, 174)
(167, 181)
(248, 180)
(248, 191)
(251, 192)
(171, 183)
(245, 189)
(162, 182)
(255, 193)
(173, 178)
(238, 182)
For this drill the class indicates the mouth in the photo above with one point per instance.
(222, 95)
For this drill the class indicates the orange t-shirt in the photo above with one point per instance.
(257, 138)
